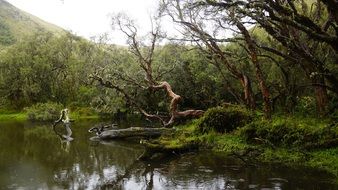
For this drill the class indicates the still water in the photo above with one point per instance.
(33, 157)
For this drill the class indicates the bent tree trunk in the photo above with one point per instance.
(173, 109)
(175, 99)
(144, 55)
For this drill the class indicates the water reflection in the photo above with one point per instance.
(33, 157)
(203, 171)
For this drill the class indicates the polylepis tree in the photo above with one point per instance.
(143, 53)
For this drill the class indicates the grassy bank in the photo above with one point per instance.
(83, 114)
(46, 115)
(23, 116)
(290, 141)
(13, 116)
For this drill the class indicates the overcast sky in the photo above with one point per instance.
(89, 18)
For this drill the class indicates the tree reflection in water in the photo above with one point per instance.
(33, 157)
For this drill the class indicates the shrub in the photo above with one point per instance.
(224, 119)
(85, 111)
(306, 105)
(290, 133)
(44, 111)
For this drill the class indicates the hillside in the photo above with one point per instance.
(15, 24)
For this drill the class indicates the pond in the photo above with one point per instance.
(33, 157)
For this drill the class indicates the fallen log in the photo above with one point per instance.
(132, 132)
(159, 149)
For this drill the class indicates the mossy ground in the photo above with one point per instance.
(284, 147)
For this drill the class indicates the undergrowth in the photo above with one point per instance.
(303, 141)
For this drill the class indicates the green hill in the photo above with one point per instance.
(15, 24)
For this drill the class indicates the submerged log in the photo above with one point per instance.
(131, 132)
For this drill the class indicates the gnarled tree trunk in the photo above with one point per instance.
(175, 99)
(144, 55)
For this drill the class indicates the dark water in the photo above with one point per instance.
(33, 157)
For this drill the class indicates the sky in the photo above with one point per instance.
(90, 18)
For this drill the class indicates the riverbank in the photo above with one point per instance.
(23, 116)
(289, 141)
(13, 116)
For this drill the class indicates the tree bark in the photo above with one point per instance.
(145, 54)
(259, 74)
(248, 94)
(173, 108)
(320, 94)
(215, 49)
(131, 132)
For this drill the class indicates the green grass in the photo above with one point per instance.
(13, 116)
(326, 159)
(78, 116)
(83, 113)
(282, 156)
(229, 143)
(6, 115)
(287, 153)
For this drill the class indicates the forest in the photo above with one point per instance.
(241, 75)
(278, 58)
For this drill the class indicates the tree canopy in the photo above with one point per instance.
(274, 56)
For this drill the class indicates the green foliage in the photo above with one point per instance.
(282, 156)
(224, 119)
(16, 24)
(291, 132)
(229, 143)
(46, 68)
(286, 152)
(326, 159)
(6, 37)
(79, 113)
(13, 116)
(306, 105)
(44, 111)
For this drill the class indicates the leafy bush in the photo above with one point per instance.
(224, 119)
(291, 133)
(306, 105)
(44, 111)
(85, 111)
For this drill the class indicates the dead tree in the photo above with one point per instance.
(64, 118)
